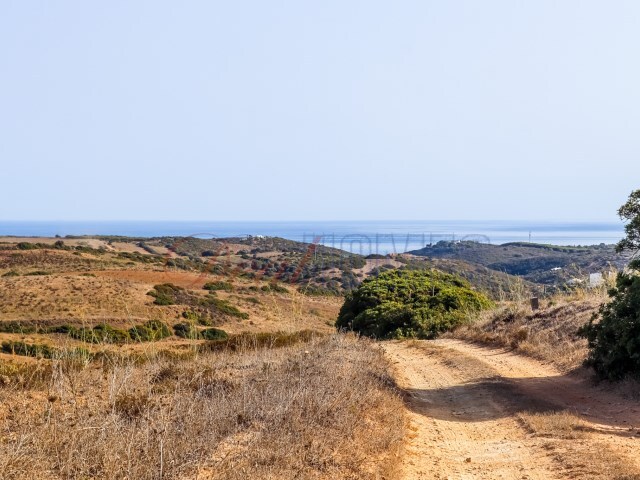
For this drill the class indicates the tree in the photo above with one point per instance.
(630, 212)
(614, 340)
(409, 303)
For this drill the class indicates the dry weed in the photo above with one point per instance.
(320, 409)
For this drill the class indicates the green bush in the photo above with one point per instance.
(165, 294)
(150, 331)
(614, 340)
(102, 333)
(186, 330)
(409, 303)
(11, 273)
(26, 349)
(274, 287)
(219, 285)
(17, 327)
(213, 334)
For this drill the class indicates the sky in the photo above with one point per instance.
(309, 110)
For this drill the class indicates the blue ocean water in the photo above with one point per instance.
(363, 237)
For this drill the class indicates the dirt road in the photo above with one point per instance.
(486, 413)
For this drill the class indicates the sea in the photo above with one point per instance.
(363, 237)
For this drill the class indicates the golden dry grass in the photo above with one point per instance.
(550, 333)
(323, 409)
(560, 424)
(581, 452)
(120, 298)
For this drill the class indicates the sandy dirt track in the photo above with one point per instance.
(470, 410)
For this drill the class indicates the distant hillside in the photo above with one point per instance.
(494, 283)
(545, 264)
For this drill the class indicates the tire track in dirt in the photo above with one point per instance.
(467, 403)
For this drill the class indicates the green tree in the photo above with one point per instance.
(409, 303)
(614, 332)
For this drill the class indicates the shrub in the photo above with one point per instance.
(186, 330)
(219, 285)
(42, 351)
(274, 287)
(214, 334)
(26, 349)
(11, 273)
(26, 246)
(223, 307)
(614, 341)
(165, 294)
(17, 327)
(150, 331)
(104, 334)
(409, 303)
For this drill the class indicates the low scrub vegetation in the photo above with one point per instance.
(409, 303)
(189, 331)
(40, 350)
(150, 331)
(549, 334)
(219, 285)
(203, 309)
(614, 334)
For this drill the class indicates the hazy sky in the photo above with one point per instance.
(318, 109)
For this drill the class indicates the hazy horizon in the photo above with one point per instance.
(297, 111)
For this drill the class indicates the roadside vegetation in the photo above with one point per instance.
(550, 333)
(325, 408)
(409, 304)
(614, 333)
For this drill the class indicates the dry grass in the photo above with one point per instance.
(560, 424)
(322, 409)
(576, 448)
(549, 334)
(119, 297)
(73, 296)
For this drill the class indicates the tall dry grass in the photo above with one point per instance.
(321, 409)
(550, 333)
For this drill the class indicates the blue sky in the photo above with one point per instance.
(332, 110)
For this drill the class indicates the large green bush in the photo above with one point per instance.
(614, 333)
(409, 303)
(614, 340)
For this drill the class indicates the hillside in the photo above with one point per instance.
(537, 263)
(121, 343)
